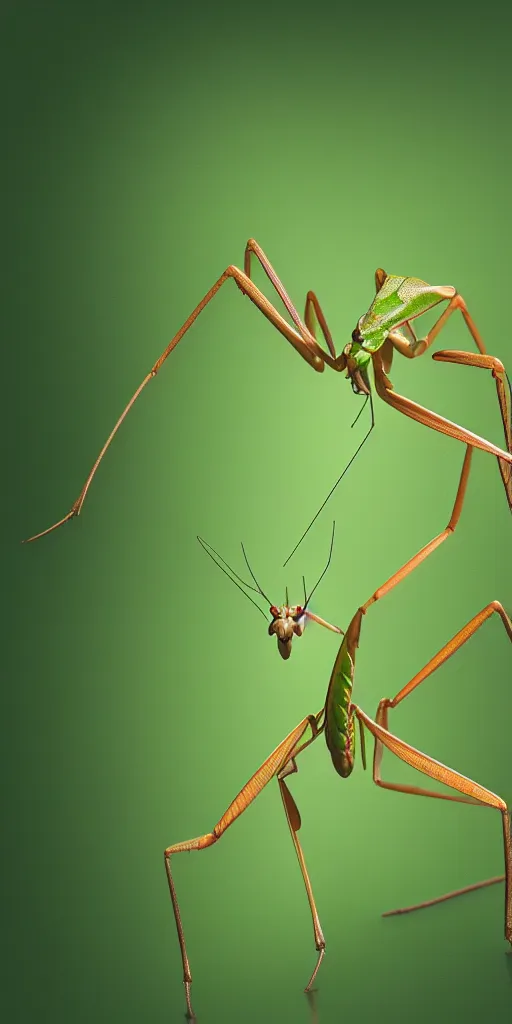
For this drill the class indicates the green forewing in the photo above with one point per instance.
(399, 299)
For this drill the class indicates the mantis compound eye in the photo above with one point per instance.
(274, 611)
(299, 612)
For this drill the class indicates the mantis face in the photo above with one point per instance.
(357, 361)
(287, 622)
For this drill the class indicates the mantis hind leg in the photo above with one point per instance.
(504, 393)
(275, 764)
(470, 789)
(430, 419)
(416, 347)
(471, 792)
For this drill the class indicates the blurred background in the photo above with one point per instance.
(143, 145)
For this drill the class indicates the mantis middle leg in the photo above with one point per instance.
(280, 763)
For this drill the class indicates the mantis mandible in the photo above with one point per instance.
(336, 721)
(383, 330)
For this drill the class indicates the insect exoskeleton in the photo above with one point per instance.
(287, 622)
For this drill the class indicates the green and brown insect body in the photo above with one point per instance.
(399, 300)
(339, 717)
(339, 724)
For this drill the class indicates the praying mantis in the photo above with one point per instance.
(384, 329)
(336, 721)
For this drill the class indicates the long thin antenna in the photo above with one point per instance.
(326, 567)
(204, 544)
(253, 576)
(324, 503)
(209, 548)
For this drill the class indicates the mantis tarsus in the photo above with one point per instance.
(398, 301)
(336, 720)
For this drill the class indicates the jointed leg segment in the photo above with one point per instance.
(415, 348)
(472, 791)
(299, 336)
(421, 555)
(497, 369)
(280, 763)
(294, 824)
(431, 419)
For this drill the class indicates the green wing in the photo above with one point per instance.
(400, 299)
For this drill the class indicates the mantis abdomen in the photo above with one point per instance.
(339, 722)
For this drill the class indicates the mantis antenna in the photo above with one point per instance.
(356, 453)
(252, 574)
(320, 578)
(233, 576)
(215, 557)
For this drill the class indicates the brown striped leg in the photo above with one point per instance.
(289, 748)
(450, 648)
(315, 318)
(294, 823)
(438, 659)
(354, 627)
(472, 790)
(252, 248)
(446, 652)
(299, 337)
(416, 347)
(420, 345)
(504, 398)
(430, 419)
(421, 555)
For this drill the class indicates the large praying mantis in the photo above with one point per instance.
(384, 329)
(336, 721)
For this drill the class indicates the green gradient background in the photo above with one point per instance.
(144, 145)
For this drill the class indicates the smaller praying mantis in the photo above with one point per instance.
(336, 720)
(384, 329)
(288, 620)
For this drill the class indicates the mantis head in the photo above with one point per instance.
(357, 363)
(287, 622)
